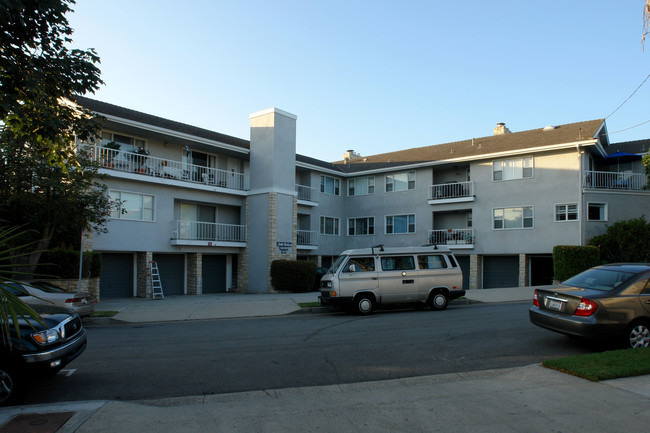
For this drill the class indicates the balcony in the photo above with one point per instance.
(615, 180)
(307, 195)
(453, 238)
(452, 192)
(200, 233)
(307, 239)
(145, 165)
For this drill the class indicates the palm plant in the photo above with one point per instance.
(11, 306)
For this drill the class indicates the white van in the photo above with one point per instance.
(366, 278)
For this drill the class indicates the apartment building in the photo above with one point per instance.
(214, 210)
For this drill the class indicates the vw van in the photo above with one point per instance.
(363, 279)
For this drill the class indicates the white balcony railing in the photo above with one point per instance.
(451, 237)
(202, 231)
(159, 167)
(615, 180)
(307, 193)
(307, 238)
(452, 190)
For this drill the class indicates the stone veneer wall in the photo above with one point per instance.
(144, 289)
(90, 285)
(242, 259)
(274, 252)
(194, 273)
(475, 271)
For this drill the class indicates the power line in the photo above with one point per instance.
(628, 98)
(631, 127)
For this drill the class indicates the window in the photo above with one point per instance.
(329, 226)
(134, 206)
(125, 142)
(397, 263)
(432, 262)
(396, 224)
(513, 218)
(361, 226)
(516, 168)
(400, 181)
(597, 211)
(566, 212)
(330, 185)
(361, 186)
(360, 264)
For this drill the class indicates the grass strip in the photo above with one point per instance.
(612, 364)
(103, 313)
(308, 304)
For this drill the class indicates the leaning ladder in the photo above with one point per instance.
(156, 284)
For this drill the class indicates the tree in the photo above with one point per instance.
(646, 21)
(40, 75)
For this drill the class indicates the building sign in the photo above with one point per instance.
(284, 247)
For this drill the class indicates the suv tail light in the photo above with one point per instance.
(587, 307)
(535, 300)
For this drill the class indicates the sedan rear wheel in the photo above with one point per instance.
(639, 335)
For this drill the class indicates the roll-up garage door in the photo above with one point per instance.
(172, 273)
(214, 273)
(463, 262)
(500, 272)
(117, 276)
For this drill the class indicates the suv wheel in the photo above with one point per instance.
(438, 301)
(9, 386)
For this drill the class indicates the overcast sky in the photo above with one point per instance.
(373, 76)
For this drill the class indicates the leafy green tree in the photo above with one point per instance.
(40, 75)
(625, 241)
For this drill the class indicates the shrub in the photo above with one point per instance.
(64, 263)
(569, 260)
(625, 241)
(293, 275)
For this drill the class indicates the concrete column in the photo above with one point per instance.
(194, 273)
(475, 272)
(143, 279)
(523, 270)
(272, 201)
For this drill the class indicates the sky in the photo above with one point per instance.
(374, 76)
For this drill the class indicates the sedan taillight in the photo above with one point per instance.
(587, 307)
(535, 300)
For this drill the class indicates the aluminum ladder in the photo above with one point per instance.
(156, 284)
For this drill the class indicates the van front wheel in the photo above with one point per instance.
(364, 305)
(438, 301)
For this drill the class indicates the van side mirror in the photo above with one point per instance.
(352, 268)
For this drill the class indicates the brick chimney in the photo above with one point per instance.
(501, 129)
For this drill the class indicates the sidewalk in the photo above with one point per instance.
(531, 399)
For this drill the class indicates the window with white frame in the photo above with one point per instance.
(361, 186)
(361, 226)
(597, 211)
(513, 218)
(330, 185)
(132, 205)
(125, 142)
(400, 181)
(515, 168)
(329, 226)
(566, 212)
(397, 224)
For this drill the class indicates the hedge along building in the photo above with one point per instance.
(214, 210)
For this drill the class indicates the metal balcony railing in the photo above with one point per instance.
(307, 193)
(132, 162)
(451, 237)
(615, 180)
(202, 231)
(452, 190)
(307, 238)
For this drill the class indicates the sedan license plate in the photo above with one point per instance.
(554, 305)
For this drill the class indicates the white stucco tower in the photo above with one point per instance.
(272, 202)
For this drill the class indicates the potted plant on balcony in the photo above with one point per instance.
(141, 159)
(107, 157)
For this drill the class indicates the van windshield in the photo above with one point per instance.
(337, 263)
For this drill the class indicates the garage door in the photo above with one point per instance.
(214, 274)
(500, 272)
(172, 273)
(463, 262)
(117, 276)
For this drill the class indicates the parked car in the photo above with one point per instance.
(604, 302)
(43, 293)
(40, 351)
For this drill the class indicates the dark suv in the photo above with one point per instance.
(40, 351)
